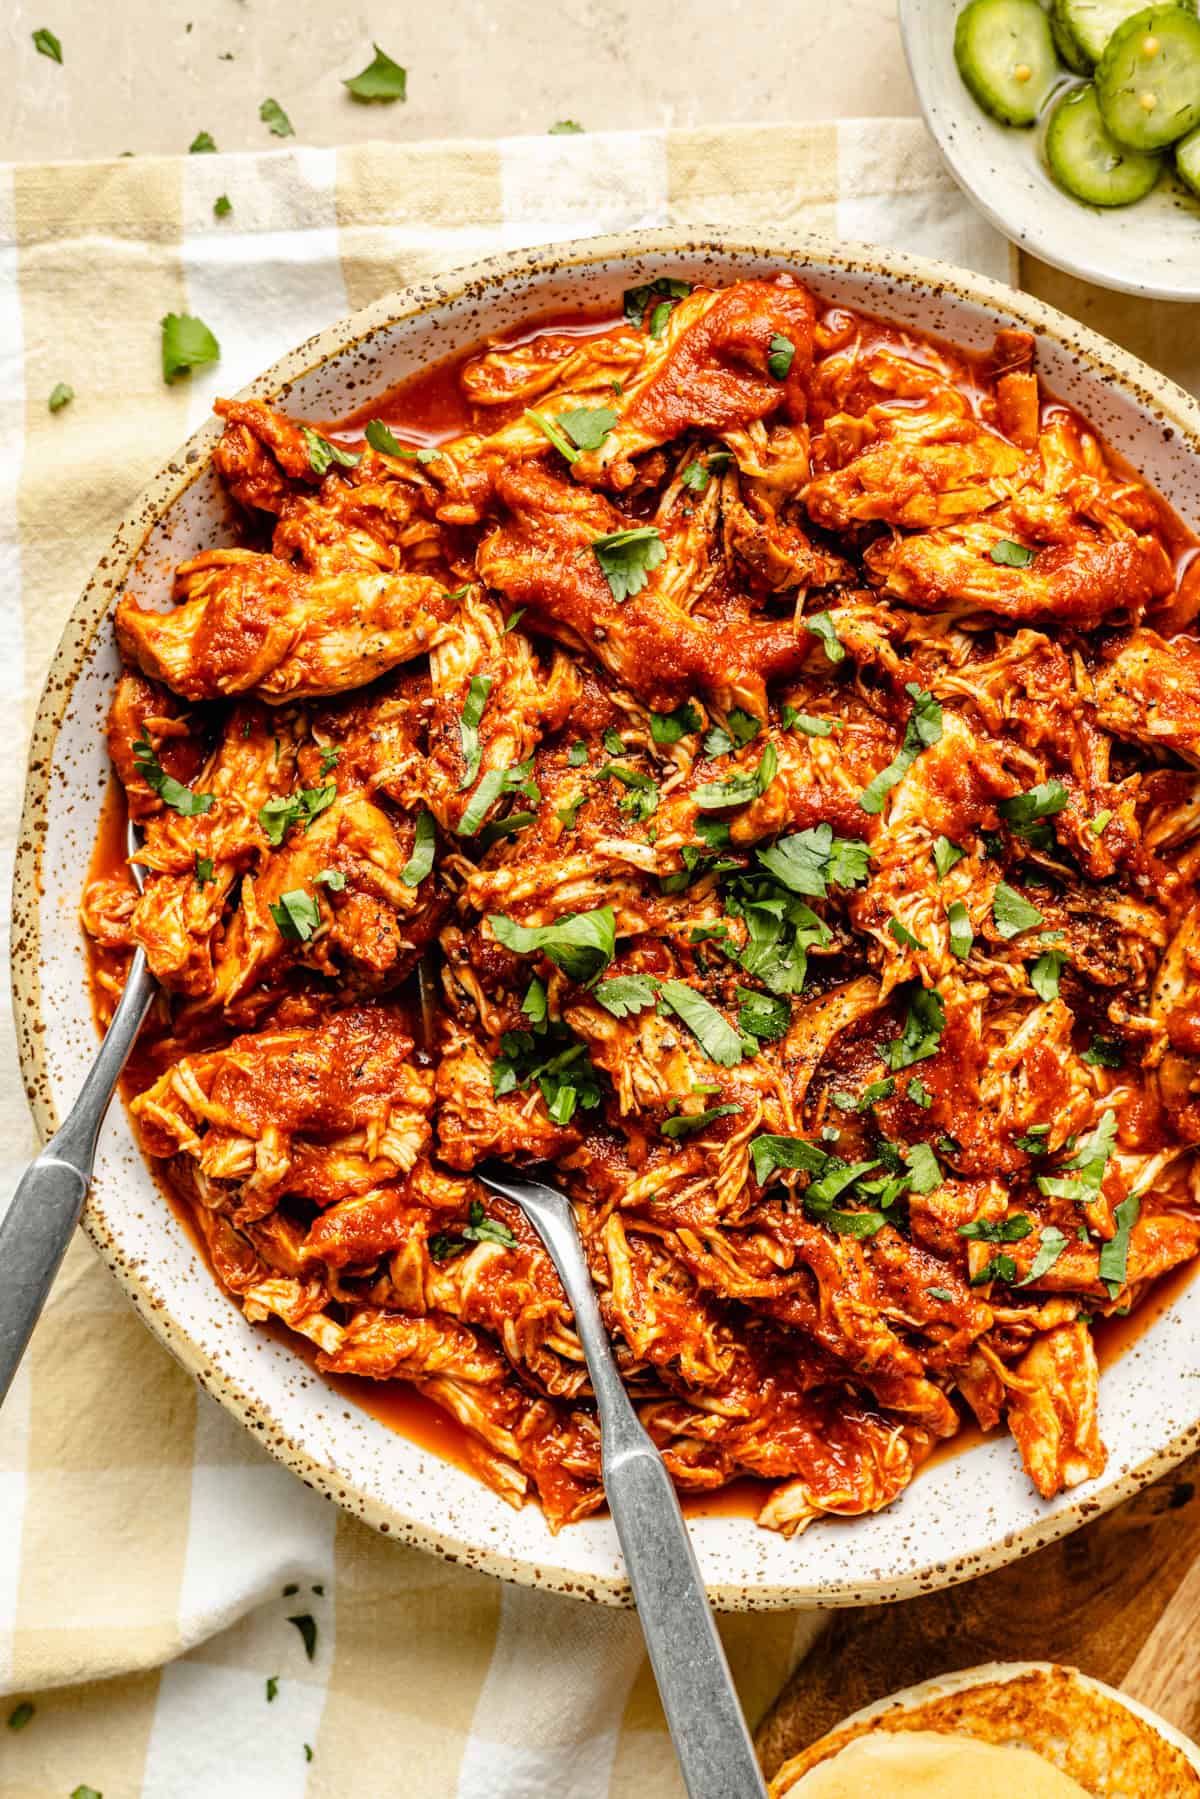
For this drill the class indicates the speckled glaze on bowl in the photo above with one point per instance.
(1151, 248)
(964, 1514)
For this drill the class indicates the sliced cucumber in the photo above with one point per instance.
(1148, 80)
(1005, 54)
(1187, 160)
(1065, 41)
(1088, 25)
(1087, 160)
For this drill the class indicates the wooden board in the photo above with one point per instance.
(1119, 1599)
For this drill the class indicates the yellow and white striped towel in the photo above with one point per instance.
(151, 1555)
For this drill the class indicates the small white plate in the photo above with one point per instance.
(1150, 248)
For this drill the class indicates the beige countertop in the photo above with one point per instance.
(147, 75)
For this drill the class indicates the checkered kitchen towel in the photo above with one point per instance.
(151, 1556)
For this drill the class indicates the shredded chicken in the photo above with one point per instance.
(766, 730)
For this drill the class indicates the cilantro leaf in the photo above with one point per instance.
(641, 796)
(924, 728)
(961, 934)
(1049, 1249)
(420, 860)
(1114, 1255)
(924, 1021)
(187, 343)
(684, 1124)
(588, 426)
(482, 1229)
(333, 878)
(1102, 1052)
(60, 395)
(297, 915)
(762, 1015)
(382, 439)
(626, 558)
(1045, 972)
(1000, 1268)
(222, 206)
(322, 453)
(171, 792)
(625, 994)
(807, 861)
(274, 117)
(637, 299)
(902, 935)
(780, 354)
(495, 783)
(565, 128)
(806, 723)
(669, 727)
(1086, 1167)
(945, 855)
(201, 144)
(1011, 913)
(924, 1168)
(20, 1715)
(278, 815)
(550, 431)
(382, 80)
(1042, 801)
(821, 625)
(468, 728)
(1011, 555)
(997, 1230)
(205, 871)
(769, 1152)
(715, 796)
(714, 1033)
(272, 1687)
(46, 44)
(580, 943)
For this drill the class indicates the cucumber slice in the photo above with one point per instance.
(1187, 160)
(1090, 23)
(1148, 80)
(1065, 41)
(1005, 54)
(1087, 160)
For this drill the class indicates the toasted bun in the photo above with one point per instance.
(1110, 1745)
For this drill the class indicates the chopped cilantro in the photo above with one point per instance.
(961, 934)
(637, 299)
(60, 395)
(171, 792)
(626, 558)
(1000, 1268)
(997, 1230)
(669, 727)
(1011, 555)
(297, 915)
(924, 1168)
(322, 453)
(495, 783)
(588, 426)
(1011, 913)
(821, 625)
(1049, 1249)
(580, 943)
(924, 728)
(806, 724)
(714, 1033)
(1102, 1052)
(550, 431)
(272, 1684)
(762, 1015)
(807, 861)
(277, 816)
(333, 878)
(468, 729)
(20, 1715)
(577, 755)
(1101, 821)
(1045, 972)
(1114, 1255)
(625, 994)
(274, 117)
(903, 935)
(187, 343)
(1086, 1167)
(565, 128)
(715, 796)
(205, 871)
(222, 206)
(382, 80)
(201, 144)
(945, 855)
(684, 1124)
(641, 795)
(420, 860)
(923, 1023)
(46, 44)
(780, 353)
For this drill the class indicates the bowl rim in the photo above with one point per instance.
(1163, 398)
(1024, 237)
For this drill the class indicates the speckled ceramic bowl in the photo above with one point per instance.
(964, 1514)
(1150, 248)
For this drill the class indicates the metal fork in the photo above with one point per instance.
(45, 1208)
(710, 1736)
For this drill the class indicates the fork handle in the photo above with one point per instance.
(698, 1696)
(45, 1208)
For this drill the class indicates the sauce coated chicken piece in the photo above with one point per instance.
(772, 732)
